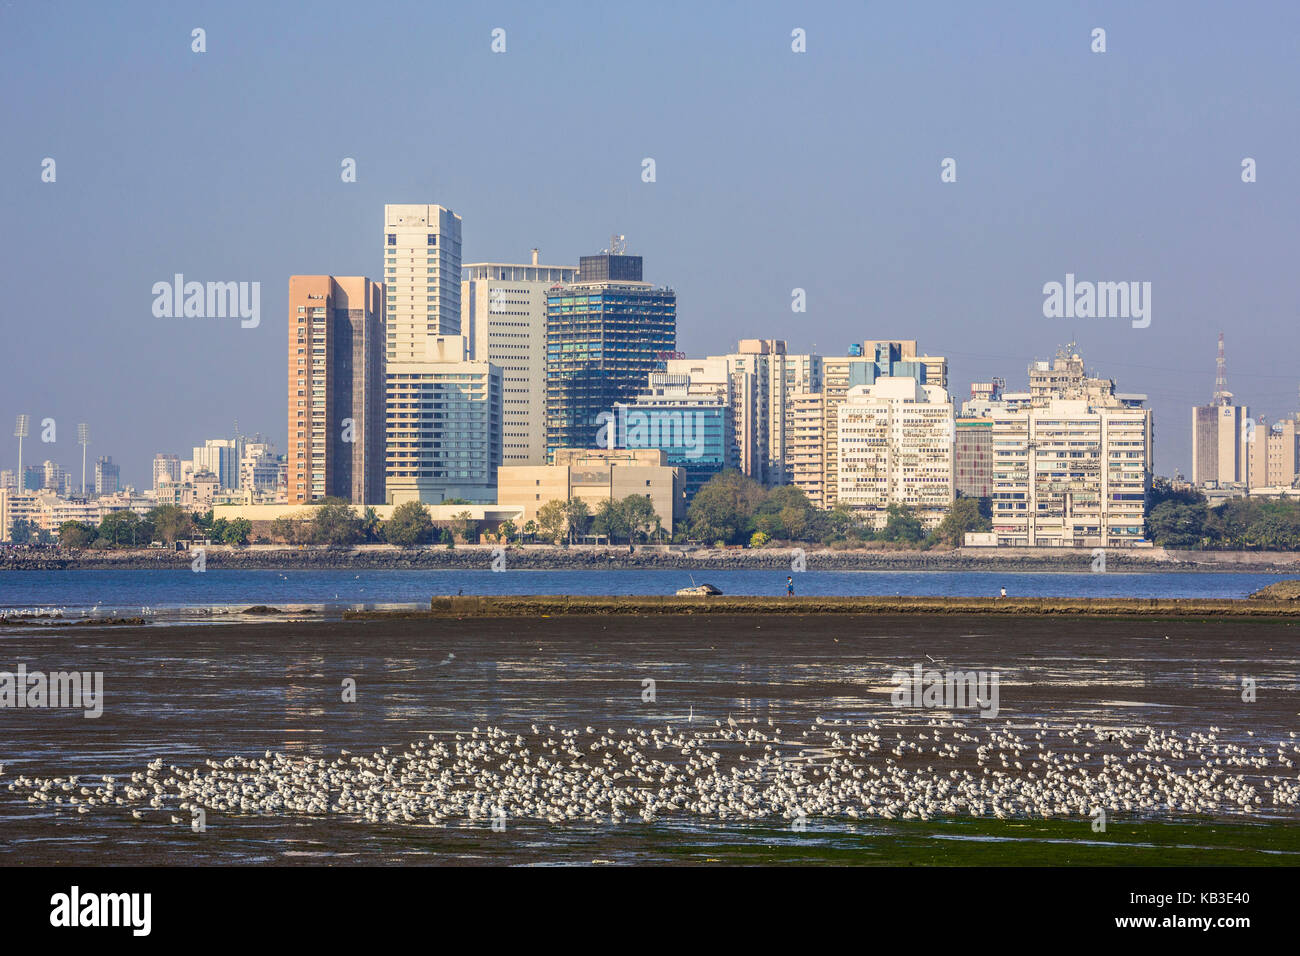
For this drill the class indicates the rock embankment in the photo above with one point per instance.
(585, 558)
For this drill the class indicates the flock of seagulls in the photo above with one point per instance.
(732, 771)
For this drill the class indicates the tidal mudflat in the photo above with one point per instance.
(683, 739)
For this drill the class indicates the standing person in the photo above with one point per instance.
(1004, 592)
(789, 585)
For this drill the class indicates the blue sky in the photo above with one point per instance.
(775, 170)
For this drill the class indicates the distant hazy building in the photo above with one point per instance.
(9, 480)
(108, 476)
(895, 448)
(337, 395)
(596, 475)
(166, 468)
(52, 476)
(444, 426)
(605, 334)
(1273, 453)
(504, 317)
(220, 457)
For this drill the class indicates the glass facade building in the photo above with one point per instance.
(603, 339)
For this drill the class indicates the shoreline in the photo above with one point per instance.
(648, 558)
(536, 606)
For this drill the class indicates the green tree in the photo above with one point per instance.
(237, 532)
(577, 514)
(125, 529)
(21, 531)
(464, 526)
(610, 520)
(902, 525)
(170, 523)
(1176, 524)
(552, 520)
(371, 526)
(335, 523)
(530, 529)
(76, 534)
(963, 516)
(639, 516)
(723, 508)
(410, 525)
(507, 531)
(292, 529)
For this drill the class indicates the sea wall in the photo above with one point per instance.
(542, 557)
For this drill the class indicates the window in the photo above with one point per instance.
(392, 238)
(433, 239)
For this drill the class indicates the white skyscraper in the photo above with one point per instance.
(443, 415)
(421, 277)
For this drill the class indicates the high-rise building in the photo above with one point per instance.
(1273, 453)
(421, 277)
(220, 457)
(443, 426)
(972, 457)
(605, 334)
(1070, 473)
(108, 476)
(806, 447)
(895, 448)
(166, 468)
(1072, 460)
(862, 366)
(336, 394)
(9, 480)
(1219, 434)
(504, 315)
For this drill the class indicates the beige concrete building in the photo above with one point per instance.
(594, 476)
(504, 316)
(867, 362)
(806, 448)
(1273, 453)
(1219, 444)
(758, 382)
(895, 447)
(1071, 474)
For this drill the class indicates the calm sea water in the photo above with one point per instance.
(127, 591)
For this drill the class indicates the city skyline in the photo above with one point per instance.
(765, 184)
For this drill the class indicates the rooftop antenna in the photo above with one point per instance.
(617, 244)
(83, 439)
(21, 432)
(1221, 394)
